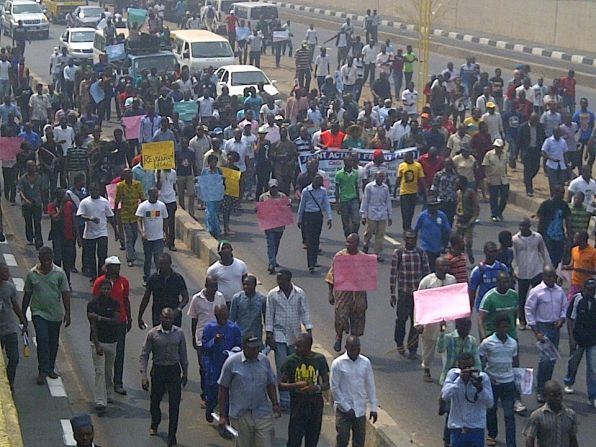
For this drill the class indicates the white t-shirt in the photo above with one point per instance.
(229, 277)
(311, 36)
(580, 185)
(203, 311)
(369, 54)
(322, 64)
(4, 70)
(251, 142)
(206, 106)
(167, 193)
(409, 99)
(237, 146)
(99, 208)
(153, 215)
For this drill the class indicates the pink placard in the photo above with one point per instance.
(111, 192)
(132, 126)
(9, 148)
(274, 213)
(442, 303)
(355, 273)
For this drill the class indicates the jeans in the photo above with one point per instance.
(398, 77)
(523, 287)
(151, 250)
(313, 224)
(4, 87)
(513, 149)
(306, 417)
(95, 252)
(408, 77)
(546, 366)
(119, 360)
(404, 311)
(48, 337)
(345, 425)
(131, 233)
(498, 199)
(32, 216)
(282, 351)
(171, 207)
(467, 438)
(304, 77)
(48, 187)
(320, 81)
(166, 378)
(65, 254)
(350, 216)
(556, 177)
(369, 73)
(263, 175)
(575, 357)
(212, 218)
(103, 365)
(505, 392)
(407, 203)
(10, 343)
(555, 249)
(569, 103)
(273, 239)
(254, 58)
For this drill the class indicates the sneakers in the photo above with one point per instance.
(153, 431)
(491, 441)
(494, 219)
(426, 376)
(518, 407)
(568, 389)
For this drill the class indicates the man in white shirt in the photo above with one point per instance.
(40, 109)
(228, 271)
(493, 121)
(166, 184)
(369, 55)
(352, 382)
(205, 107)
(540, 90)
(64, 135)
(322, 67)
(152, 216)
(382, 61)
(348, 76)
(586, 185)
(237, 145)
(311, 39)
(96, 212)
(69, 80)
(409, 98)
(4, 76)
(376, 213)
(202, 311)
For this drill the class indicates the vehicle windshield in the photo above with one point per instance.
(249, 78)
(26, 8)
(211, 49)
(163, 62)
(268, 12)
(82, 36)
(226, 6)
(91, 12)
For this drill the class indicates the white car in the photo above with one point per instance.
(238, 77)
(34, 20)
(79, 43)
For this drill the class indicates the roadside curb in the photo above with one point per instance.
(10, 429)
(500, 44)
(386, 432)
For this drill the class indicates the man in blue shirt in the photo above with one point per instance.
(433, 230)
(248, 308)
(484, 275)
(219, 337)
(30, 137)
(313, 202)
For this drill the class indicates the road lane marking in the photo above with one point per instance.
(56, 387)
(19, 284)
(67, 434)
(391, 240)
(10, 260)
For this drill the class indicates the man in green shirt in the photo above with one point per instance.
(409, 59)
(347, 195)
(306, 375)
(47, 291)
(501, 299)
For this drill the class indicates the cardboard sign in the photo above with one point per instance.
(136, 16)
(210, 187)
(115, 52)
(187, 110)
(274, 213)
(111, 193)
(9, 148)
(441, 303)
(132, 126)
(355, 273)
(232, 182)
(158, 155)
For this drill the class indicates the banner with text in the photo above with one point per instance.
(158, 155)
(332, 161)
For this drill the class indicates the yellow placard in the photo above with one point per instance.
(158, 155)
(232, 182)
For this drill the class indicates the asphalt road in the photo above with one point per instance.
(410, 401)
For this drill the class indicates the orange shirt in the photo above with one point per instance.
(583, 259)
(331, 141)
(120, 289)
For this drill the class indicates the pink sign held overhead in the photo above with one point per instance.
(442, 303)
(111, 193)
(355, 273)
(9, 148)
(132, 126)
(274, 213)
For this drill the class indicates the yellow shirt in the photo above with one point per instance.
(130, 196)
(410, 175)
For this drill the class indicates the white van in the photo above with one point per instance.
(253, 11)
(200, 49)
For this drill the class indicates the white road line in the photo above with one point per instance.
(19, 284)
(67, 434)
(10, 260)
(56, 387)
(391, 240)
(28, 314)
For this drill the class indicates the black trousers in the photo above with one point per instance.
(404, 312)
(32, 216)
(306, 416)
(346, 425)
(407, 203)
(95, 252)
(523, 287)
(263, 176)
(304, 78)
(313, 224)
(166, 378)
(10, 183)
(119, 360)
(65, 253)
(531, 160)
(171, 207)
(449, 209)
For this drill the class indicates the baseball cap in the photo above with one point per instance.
(252, 341)
(273, 182)
(498, 142)
(217, 131)
(378, 153)
(128, 102)
(113, 260)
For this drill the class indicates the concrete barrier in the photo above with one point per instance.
(10, 429)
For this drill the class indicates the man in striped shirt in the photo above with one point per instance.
(76, 159)
(303, 67)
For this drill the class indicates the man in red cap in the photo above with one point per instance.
(372, 167)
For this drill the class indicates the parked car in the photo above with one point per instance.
(30, 13)
(79, 43)
(86, 16)
(238, 77)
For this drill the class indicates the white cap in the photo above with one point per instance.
(112, 260)
(498, 142)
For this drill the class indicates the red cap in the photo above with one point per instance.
(378, 153)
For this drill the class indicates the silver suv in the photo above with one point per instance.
(30, 13)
